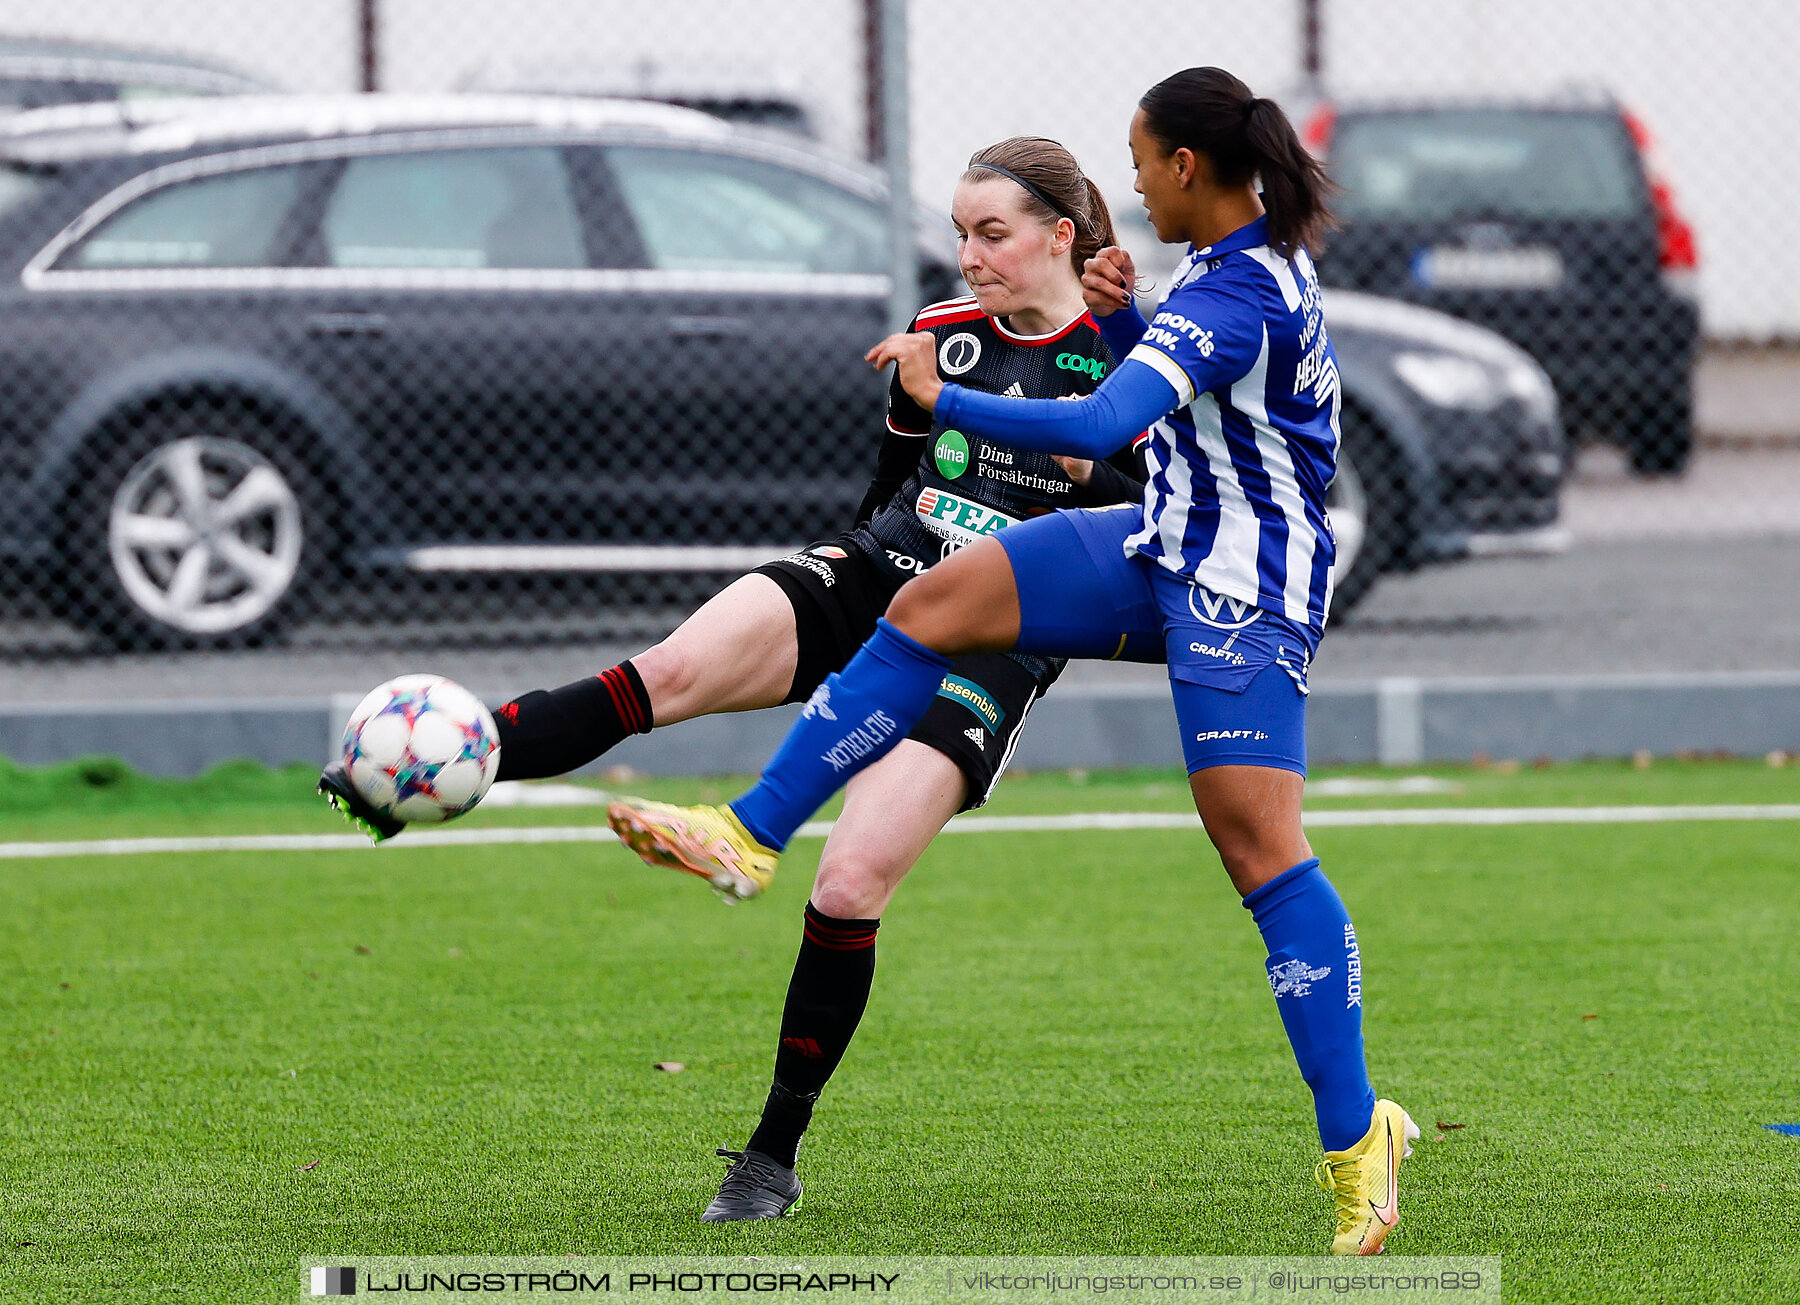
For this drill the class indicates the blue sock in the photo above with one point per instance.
(1315, 969)
(851, 721)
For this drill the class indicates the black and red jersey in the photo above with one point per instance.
(937, 489)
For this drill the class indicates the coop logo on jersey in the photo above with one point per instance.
(1220, 612)
(951, 454)
(1294, 978)
(959, 353)
(1076, 362)
(975, 698)
(957, 519)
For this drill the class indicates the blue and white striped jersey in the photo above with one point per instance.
(1238, 472)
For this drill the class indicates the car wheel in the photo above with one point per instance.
(1364, 507)
(192, 540)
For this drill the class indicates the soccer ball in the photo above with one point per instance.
(421, 749)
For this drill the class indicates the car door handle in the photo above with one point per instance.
(707, 328)
(344, 326)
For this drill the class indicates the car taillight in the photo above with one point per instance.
(1677, 252)
(1316, 135)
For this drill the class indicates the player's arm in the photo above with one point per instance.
(1118, 479)
(907, 424)
(1201, 339)
(1108, 283)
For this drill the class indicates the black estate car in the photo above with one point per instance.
(1545, 220)
(252, 348)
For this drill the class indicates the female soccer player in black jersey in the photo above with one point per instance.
(1027, 222)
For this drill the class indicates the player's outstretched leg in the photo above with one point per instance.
(967, 603)
(852, 720)
(336, 788)
(736, 653)
(542, 733)
(707, 841)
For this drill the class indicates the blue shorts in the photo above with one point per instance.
(1238, 672)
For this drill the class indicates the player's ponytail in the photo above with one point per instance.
(1243, 136)
(1054, 187)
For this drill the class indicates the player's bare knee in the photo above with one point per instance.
(667, 670)
(851, 886)
(1244, 851)
(926, 609)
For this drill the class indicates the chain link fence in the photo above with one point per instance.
(561, 329)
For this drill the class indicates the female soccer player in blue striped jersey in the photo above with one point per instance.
(1224, 573)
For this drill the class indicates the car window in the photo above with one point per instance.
(455, 208)
(1480, 163)
(230, 220)
(20, 93)
(699, 211)
(17, 186)
(136, 92)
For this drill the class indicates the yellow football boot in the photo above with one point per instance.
(1365, 1181)
(706, 841)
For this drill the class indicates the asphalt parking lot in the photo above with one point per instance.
(1695, 574)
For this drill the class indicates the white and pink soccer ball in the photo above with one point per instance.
(421, 749)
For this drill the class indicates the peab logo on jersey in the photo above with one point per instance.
(959, 353)
(958, 519)
(1294, 978)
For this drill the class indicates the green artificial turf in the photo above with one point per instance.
(1071, 1046)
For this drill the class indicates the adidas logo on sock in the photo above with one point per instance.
(1013, 391)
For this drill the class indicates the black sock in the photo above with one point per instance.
(825, 1002)
(553, 732)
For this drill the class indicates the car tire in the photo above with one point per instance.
(1660, 439)
(200, 534)
(1365, 507)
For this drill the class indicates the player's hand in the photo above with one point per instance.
(915, 355)
(1108, 280)
(1080, 470)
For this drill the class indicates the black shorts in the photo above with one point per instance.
(838, 591)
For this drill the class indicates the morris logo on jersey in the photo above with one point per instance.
(958, 519)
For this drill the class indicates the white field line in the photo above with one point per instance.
(1090, 820)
